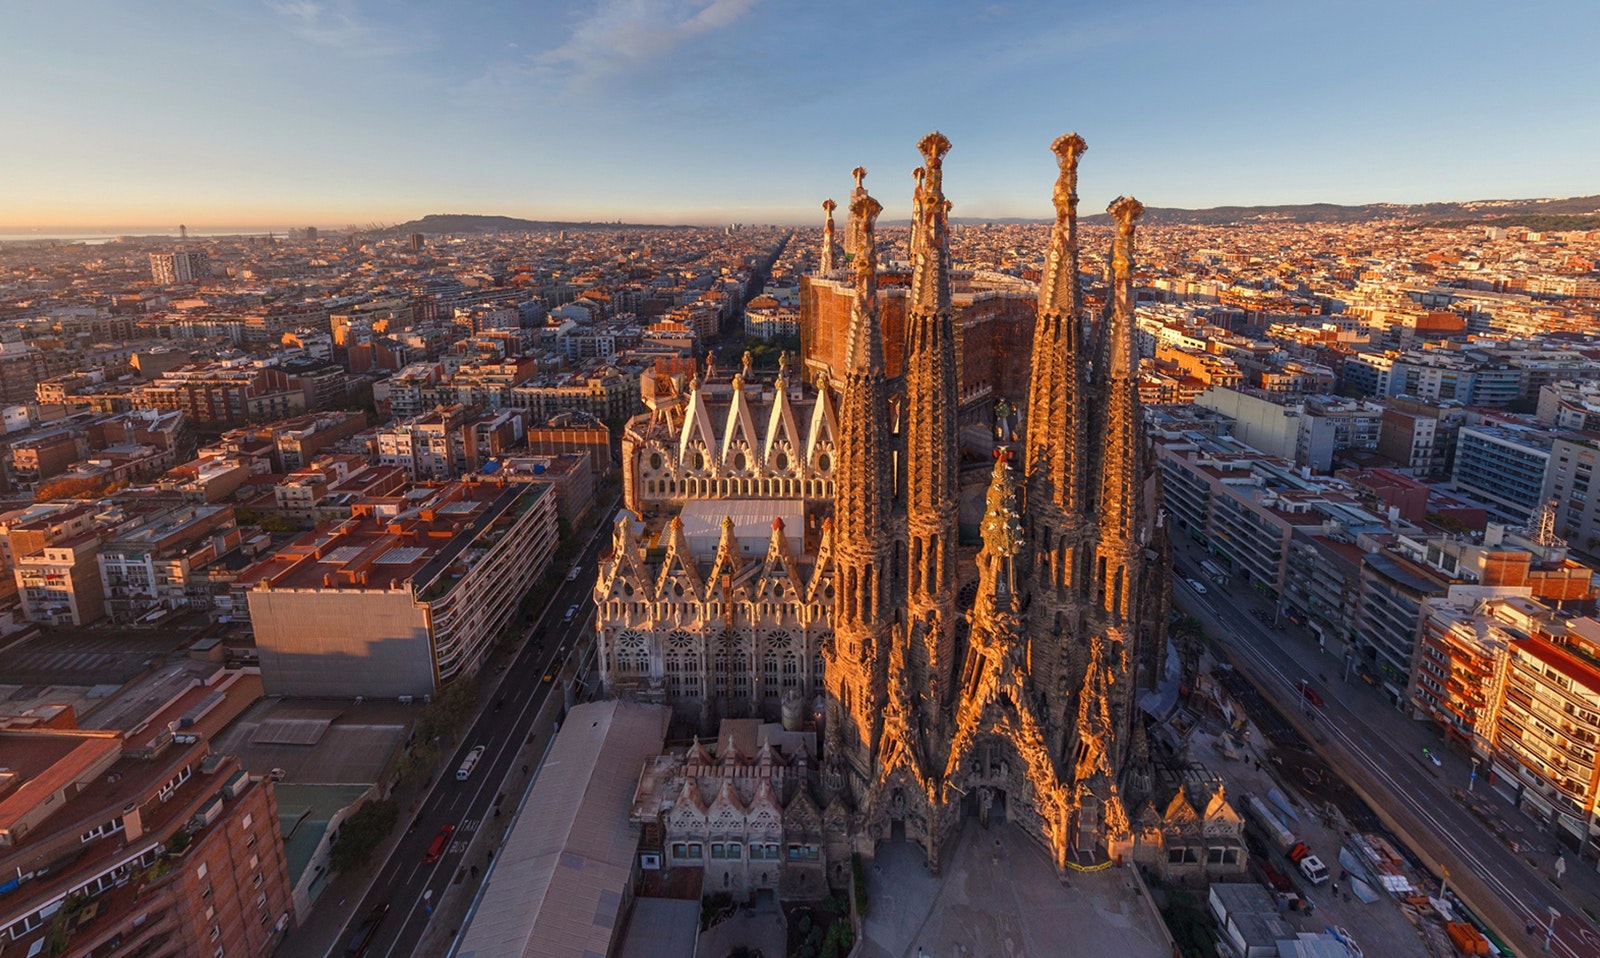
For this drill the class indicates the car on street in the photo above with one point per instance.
(368, 927)
(436, 848)
(1310, 693)
(470, 762)
(1198, 586)
(572, 576)
(572, 612)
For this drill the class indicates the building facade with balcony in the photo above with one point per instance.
(111, 850)
(1503, 466)
(407, 595)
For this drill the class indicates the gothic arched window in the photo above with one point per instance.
(682, 662)
(632, 654)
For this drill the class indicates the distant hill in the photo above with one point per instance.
(438, 223)
(1577, 212)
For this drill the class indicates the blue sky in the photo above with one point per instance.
(328, 112)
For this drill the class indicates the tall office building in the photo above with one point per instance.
(184, 266)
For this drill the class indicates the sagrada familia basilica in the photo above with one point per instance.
(795, 552)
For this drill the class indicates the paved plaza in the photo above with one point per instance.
(999, 898)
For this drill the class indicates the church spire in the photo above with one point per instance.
(852, 239)
(931, 404)
(855, 664)
(1121, 470)
(1055, 435)
(830, 243)
(864, 348)
(1002, 541)
(918, 175)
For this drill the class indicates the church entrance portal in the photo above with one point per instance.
(985, 803)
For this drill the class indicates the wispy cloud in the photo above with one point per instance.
(618, 36)
(339, 25)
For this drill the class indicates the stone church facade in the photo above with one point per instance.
(795, 555)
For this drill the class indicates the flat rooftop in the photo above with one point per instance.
(428, 531)
(998, 897)
(319, 742)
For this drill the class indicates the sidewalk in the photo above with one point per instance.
(451, 911)
(342, 896)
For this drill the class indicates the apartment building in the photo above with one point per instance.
(407, 595)
(609, 394)
(160, 564)
(1420, 437)
(60, 583)
(183, 266)
(1570, 405)
(430, 446)
(225, 392)
(112, 849)
(1504, 466)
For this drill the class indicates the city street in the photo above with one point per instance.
(505, 728)
(1380, 752)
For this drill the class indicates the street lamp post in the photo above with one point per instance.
(1550, 929)
(1473, 778)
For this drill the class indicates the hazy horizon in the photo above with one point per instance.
(65, 231)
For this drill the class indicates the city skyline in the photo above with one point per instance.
(753, 111)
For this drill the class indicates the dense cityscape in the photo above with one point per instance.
(320, 548)
(541, 480)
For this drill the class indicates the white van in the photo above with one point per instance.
(468, 764)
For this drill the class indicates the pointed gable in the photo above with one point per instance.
(822, 436)
(729, 569)
(819, 588)
(779, 568)
(697, 760)
(688, 812)
(801, 816)
(785, 449)
(766, 814)
(680, 580)
(739, 433)
(1180, 816)
(625, 566)
(1221, 818)
(697, 434)
(726, 813)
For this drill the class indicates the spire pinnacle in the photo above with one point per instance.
(930, 235)
(1121, 362)
(1067, 148)
(1002, 526)
(933, 148)
(918, 174)
(829, 243)
(1002, 541)
(865, 348)
(852, 233)
(1059, 290)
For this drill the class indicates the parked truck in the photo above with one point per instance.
(1310, 865)
(1295, 850)
(1269, 823)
